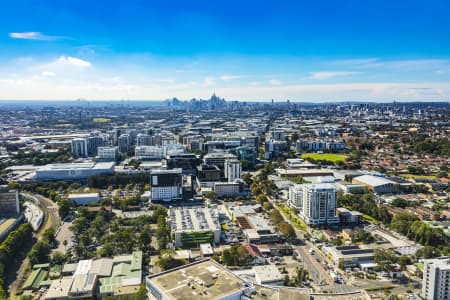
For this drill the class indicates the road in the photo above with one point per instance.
(51, 220)
(318, 274)
(316, 271)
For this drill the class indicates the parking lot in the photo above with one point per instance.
(64, 234)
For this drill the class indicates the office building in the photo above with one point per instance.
(108, 153)
(319, 145)
(277, 135)
(73, 171)
(233, 169)
(9, 201)
(193, 226)
(218, 158)
(186, 161)
(166, 184)
(145, 140)
(315, 203)
(208, 172)
(436, 278)
(93, 143)
(227, 189)
(149, 152)
(79, 147)
(124, 143)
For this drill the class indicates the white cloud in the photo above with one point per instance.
(48, 73)
(32, 35)
(275, 82)
(73, 61)
(209, 81)
(356, 62)
(229, 77)
(328, 75)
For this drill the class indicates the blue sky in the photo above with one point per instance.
(246, 50)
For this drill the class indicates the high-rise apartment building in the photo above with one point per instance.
(79, 147)
(93, 142)
(436, 278)
(315, 203)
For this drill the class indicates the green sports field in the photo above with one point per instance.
(325, 156)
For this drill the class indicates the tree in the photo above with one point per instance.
(64, 207)
(286, 230)
(403, 261)
(58, 257)
(247, 178)
(267, 206)
(236, 255)
(39, 252)
(399, 202)
(275, 216)
(300, 180)
(385, 259)
(261, 199)
(141, 293)
(212, 196)
(255, 189)
(427, 252)
(167, 261)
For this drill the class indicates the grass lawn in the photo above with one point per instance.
(101, 120)
(325, 156)
(296, 221)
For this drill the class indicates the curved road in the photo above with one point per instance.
(51, 220)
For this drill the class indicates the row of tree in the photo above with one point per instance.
(40, 251)
(116, 180)
(9, 249)
(366, 204)
(417, 230)
(42, 158)
(286, 229)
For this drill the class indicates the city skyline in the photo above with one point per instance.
(319, 52)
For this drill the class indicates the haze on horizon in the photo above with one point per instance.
(298, 50)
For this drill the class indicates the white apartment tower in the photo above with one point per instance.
(80, 147)
(233, 169)
(316, 203)
(436, 278)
